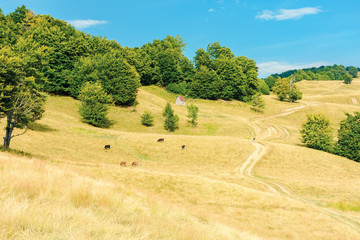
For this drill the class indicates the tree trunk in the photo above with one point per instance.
(9, 129)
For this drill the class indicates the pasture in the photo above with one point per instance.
(223, 185)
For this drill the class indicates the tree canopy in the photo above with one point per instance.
(334, 72)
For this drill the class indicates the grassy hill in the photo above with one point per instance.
(222, 185)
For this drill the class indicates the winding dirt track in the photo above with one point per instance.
(247, 168)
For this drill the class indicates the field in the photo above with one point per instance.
(223, 185)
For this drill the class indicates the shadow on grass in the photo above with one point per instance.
(16, 152)
(38, 127)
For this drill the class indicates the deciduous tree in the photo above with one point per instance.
(348, 144)
(317, 132)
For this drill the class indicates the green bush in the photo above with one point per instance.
(94, 107)
(317, 132)
(147, 119)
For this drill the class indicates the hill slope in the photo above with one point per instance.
(222, 185)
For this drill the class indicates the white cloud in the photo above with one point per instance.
(285, 14)
(268, 68)
(211, 10)
(86, 23)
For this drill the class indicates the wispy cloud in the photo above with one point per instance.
(86, 23)
(211, 10)
(285, 14)
(268, 68)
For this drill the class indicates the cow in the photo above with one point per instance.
(254, 139)
(107, 147)
(161, 140)
(182, 147)
(134, 164)
(123, 163)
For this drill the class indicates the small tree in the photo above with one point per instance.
(171, 122)
(317, 132)
(281, 88)
(286, 89)
(257, 103)
(294, 94)
(94, 107)
(192, 114)
(147, 119)
(348, 144)
(348, 79)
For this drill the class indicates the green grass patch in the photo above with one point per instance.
(345, 206)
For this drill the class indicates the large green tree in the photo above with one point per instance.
(348, 144)
(317, 132)
(118, 78)
(220, 74)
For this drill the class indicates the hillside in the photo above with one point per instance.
(222, 185)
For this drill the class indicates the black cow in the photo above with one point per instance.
(182, 147)
(107, 147)
(161, 140)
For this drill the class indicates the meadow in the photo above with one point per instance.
(223, 185)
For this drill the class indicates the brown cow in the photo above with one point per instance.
(161, 140)
(123, 163)
(135, 164)
(182, 147)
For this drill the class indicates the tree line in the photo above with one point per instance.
(335, 72)
(69, 58)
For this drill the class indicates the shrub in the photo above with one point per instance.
(94, 107)
(317, 132)
(147, 119)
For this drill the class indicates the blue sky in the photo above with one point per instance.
(278, 34)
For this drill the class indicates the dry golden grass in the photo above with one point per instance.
(74, 189)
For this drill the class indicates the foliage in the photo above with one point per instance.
(353, 71)
(220, 74)
(286, 89)
(163, 62)
(147, 119)
(348, 144)
(335, 72)
(317, 132)
(21, 101)
(181, 88)
(257, 103)
(171, 122)
(270, 81)
(348, 79)
(117, 77)
(94, 107)
(264, 88)
(295, 93)
(192, 114)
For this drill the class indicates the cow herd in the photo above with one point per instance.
(136, 163)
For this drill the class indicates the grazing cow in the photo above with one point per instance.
(254, 139)
(182, 147)
(135, 164)
(123, 163)
(161, 140)
(107, 147)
